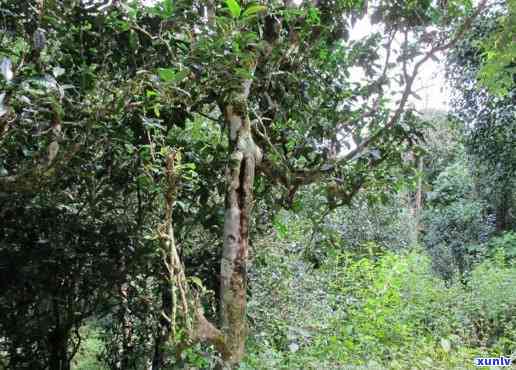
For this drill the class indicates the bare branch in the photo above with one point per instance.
(410, 81)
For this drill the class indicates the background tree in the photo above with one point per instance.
(489, 119)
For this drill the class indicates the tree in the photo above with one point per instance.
(276, 78)
(497, 69)
(489, 118)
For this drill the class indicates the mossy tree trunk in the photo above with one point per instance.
(243, 157)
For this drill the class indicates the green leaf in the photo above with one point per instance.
(243, 73)
(196, 281)
(58, 71)
(313, 16)
(167, 74)
(280, 228)
(122, 25)
(181, 75)
(129, 147)
(253, 9)
(234, 8)
(190, 166)
(134, 40)
(168, 8)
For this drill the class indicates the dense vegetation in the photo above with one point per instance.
(237, 184)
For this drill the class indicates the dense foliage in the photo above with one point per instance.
(236, 184)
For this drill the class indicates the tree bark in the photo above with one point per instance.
(125, 346)
(58, 348)
(244, 155)
(164, 328)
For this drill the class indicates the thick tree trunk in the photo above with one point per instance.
(58, 340)
(164, 328)
(58, 348)
(244, 154)
(126, 347)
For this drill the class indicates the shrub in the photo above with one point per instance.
(88, 355)
(504, 244)
(390, 312)
(487, 306)
(454, 221)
